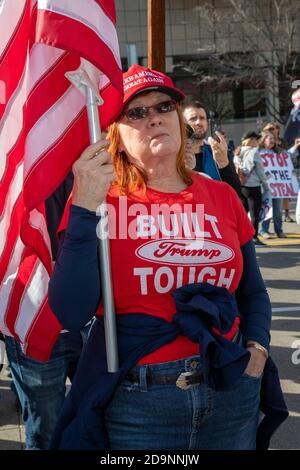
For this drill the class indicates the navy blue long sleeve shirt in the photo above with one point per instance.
(75, 291)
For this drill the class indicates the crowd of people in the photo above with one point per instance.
(255, 180)
(192, 309)
(248, 164)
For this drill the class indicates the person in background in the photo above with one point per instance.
(274, 128)
(212, 157)
(267, 142)
(281, 145)
(179, 385)
(41, 386)
(248, 160)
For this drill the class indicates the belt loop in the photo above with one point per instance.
(143, 378)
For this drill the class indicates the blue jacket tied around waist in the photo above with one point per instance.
(199, 308)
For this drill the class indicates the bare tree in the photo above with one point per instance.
(253, 42)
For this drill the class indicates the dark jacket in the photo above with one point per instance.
(55, 205)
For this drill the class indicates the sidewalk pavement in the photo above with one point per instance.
(12, 432)
(279, 262)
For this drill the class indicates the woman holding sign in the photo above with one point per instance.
(267, 143)
(293, 151)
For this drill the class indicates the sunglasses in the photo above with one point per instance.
(140, 112)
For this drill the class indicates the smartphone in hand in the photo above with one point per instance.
(213, 127)
(190, 132)
(215, 136)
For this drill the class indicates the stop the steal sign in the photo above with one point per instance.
(280, 174)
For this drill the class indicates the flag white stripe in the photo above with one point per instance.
(89, 13)
(38, 221)
(42, 57)
(12, 121)
(103, 81)
(49, 128)
(32, 300)
(9, 19)
(13, 193)
(10, 276)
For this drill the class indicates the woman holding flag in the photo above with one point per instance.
(193, 314)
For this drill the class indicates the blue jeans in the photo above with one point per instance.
(158, 417)
(41, 386)
(277, 218)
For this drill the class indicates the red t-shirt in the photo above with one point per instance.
(155, 250)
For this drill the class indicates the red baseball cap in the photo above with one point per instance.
(137, 80)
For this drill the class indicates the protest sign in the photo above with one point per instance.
(280, 174)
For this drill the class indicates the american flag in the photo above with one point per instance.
(43, 129)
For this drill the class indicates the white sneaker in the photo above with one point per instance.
(265, 235)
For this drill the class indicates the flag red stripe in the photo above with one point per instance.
(114, 109)
(13, 160)
(42, 334)
(90, 45)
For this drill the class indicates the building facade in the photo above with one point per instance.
(236, 56)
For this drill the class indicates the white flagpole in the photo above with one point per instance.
(104, 253)
(83, 79)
